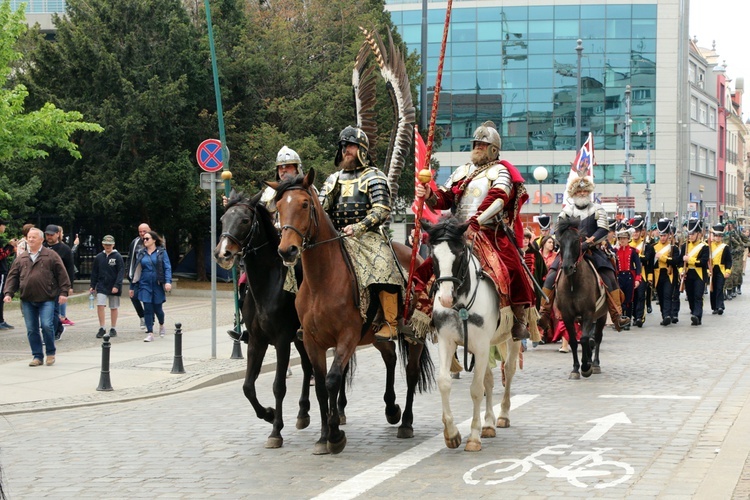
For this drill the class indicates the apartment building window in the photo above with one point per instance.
(712, 118)
(693, 156)
(692, 69)
(712, 163)
(702, 158)
(694, 108)
(703, 117)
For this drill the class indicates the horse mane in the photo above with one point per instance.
(448, 228)
(565, 223)
(287, 184)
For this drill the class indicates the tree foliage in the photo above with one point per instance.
(142, 69)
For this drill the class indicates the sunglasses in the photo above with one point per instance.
(146, 239)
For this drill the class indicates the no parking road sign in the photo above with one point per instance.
(210, 155)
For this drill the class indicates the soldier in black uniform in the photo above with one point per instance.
(645, 253)
(695, 267)
(664, 270)
(720, 267)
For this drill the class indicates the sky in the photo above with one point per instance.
(724, 21)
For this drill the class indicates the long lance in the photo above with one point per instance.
(425, 177)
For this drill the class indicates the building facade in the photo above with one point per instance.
(515, 62)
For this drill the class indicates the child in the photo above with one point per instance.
(106, 282)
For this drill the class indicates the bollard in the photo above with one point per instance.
(177, 364)
(236, 350)
(104, 383)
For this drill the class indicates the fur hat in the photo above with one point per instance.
(585, 183)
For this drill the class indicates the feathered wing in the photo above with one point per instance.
(363, 84)
(393, 69)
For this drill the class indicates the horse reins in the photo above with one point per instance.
(245, 243)
(306, 243)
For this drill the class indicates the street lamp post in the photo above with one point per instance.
(626, 176)
(648, 171)
(540, 174)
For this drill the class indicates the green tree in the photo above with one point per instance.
(27, 134)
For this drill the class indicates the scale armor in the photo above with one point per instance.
(357, 197)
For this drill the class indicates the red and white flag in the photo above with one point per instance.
(420, 152)
(583, 165)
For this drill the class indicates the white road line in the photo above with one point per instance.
(646, 396)
(368, 479)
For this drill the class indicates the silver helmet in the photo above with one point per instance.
(487, 133)
(288, 156)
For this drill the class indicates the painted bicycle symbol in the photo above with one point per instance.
(589, 470)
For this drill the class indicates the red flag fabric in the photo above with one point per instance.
(583, 165)
(420, 151)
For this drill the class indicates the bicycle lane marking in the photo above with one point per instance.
(365, 481)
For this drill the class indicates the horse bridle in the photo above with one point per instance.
(307, 238)
(244, 245)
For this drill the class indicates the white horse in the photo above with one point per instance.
(467, 304)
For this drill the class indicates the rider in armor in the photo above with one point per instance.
(357, 199)
(288, 165)
(489, 193)
(594, 228)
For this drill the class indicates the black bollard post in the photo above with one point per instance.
(104, 383)
(236, 350)
(177, 364)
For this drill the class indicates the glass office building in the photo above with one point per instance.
(515, 63)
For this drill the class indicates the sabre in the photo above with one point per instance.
(425, 174)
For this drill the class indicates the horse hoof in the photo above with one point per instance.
(452, 442)
(503, 422)
(473, 445)
(596, 370)
(303, 422)
(395, 417)
(488, 432)
(574, 376)
(321, 449)
(336, 448)
(587, 373)
(405, 432)
(274, 442)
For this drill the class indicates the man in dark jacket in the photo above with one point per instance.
(106, 282)
(41, 277)
(52, 241)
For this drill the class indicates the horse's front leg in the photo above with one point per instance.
(598, 336)
(514, 348)
(279, 391)
(481, 358)
(446, 350)
(256, 351)
(588, 344)
(573, 341)
(334, 384)
(303, 416)
(318, 359)
(388, 353)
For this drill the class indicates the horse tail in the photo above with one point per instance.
(351, 367)
(426, 379)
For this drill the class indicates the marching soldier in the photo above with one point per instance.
(645, 253)
(665, 272)
(695, 267)
(720, 268)
(628, 265)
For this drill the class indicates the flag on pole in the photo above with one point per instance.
(420, 152)
(583, 165)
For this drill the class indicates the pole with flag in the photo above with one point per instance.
(425, 174)
(583, 165)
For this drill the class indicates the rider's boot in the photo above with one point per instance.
(389, 305)
(545, 311)
(615, 309)
(235, 335)
(519, 331)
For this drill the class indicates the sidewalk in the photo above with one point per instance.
(137, 369)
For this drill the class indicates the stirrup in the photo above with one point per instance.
(392, 334)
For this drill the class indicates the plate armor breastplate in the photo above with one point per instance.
(476, 191)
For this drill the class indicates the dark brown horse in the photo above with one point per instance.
(579, 299)
(268, 310)
(329, 313)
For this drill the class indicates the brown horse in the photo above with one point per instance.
(329, 313)
(579, 299)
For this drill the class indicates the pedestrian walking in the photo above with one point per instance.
(5, 252)
(107, 274)
(41, 278)
(135, 246)
(52, 234)
(152, 278)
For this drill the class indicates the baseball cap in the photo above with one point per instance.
(52, 229)
(108, 240)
